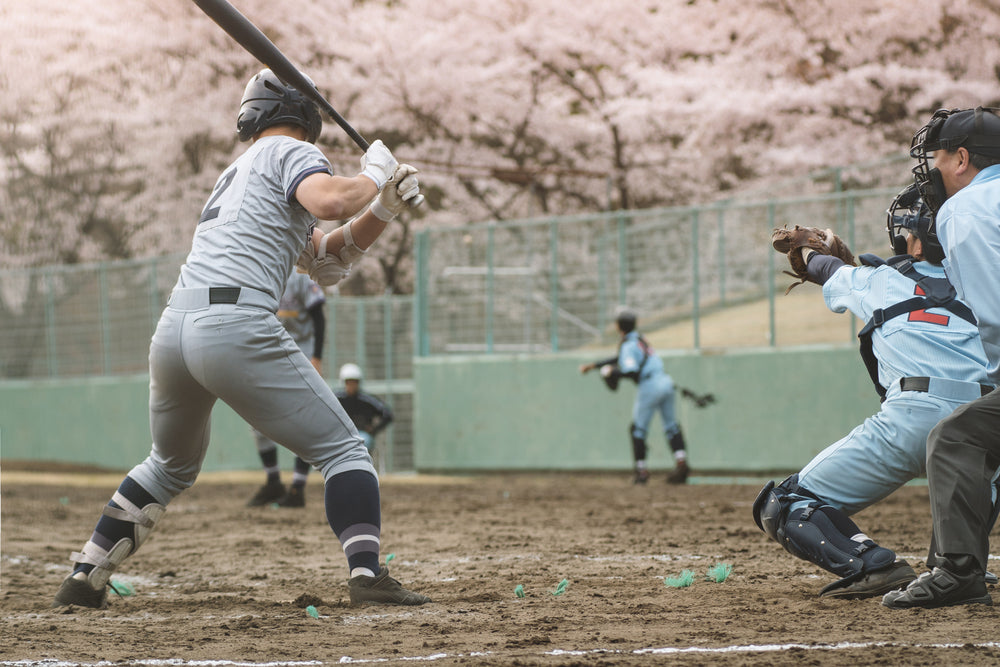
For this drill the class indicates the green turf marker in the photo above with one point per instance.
(311, 610)
(719, 572)
(683, 581)
(389, 558)
(519, 590)
(561, 587)
(123, 588)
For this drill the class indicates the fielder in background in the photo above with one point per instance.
(219, 338)
(963, 451)
(637, 362)
(370, 415)
(924, 355)
(301, 313)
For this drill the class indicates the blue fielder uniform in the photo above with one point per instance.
(656, 388)
(888, 449)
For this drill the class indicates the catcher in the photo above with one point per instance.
(924, 354)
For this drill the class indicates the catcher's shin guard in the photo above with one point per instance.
(818, 533)
(106, 560)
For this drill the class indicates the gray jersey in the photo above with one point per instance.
(252, 229)
(301, 295)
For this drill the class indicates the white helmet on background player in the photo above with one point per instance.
(269, 101)
(350, 372)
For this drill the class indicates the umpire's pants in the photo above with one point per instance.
(963, 453)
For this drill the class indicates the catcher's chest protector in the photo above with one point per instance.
(933, 293)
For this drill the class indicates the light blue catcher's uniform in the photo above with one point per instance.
(888, 449)
(655, 387)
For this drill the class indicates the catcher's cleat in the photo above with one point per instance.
(879, 582)
(79, 593)
(991, 579)
(940, 588)
(294, 498)
(382, 589)
(640, 477)
(679, 474)
(271, 492)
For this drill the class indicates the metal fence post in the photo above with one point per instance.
(695, 286)
(102, 309)
(554, 286)
(490, 238)
(421, 338)
(772, 330)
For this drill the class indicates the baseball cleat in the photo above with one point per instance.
(641, 477)
(294, 498)
(940, 588)
(991, 579)
(79, 593)
(271, 492)
(679, 474)
(879, 582)
(382, 589)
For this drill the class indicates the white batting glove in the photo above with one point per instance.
(401, 189)
(378, 163)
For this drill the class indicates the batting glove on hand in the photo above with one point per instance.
(378, 163)
(400, 192)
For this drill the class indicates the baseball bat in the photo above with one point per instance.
(249, 36)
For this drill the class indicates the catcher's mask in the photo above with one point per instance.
(269, 101)
(909, 213)
(977, 130)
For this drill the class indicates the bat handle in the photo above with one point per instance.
(415, 201)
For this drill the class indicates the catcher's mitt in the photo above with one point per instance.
(824, 241)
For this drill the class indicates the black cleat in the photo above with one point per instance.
(679, 474)
(940, 588)
(382, 589)
(79, 593)
(271, 492)
(294, 498)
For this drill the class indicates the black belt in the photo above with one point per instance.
(924, 383)
(223, 294)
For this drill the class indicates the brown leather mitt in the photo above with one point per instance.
(790, 242)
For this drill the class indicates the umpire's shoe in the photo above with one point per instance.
(271, 492)
(957, 580)
(382, 589)
(879, 582)
(79, 593)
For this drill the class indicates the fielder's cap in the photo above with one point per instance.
(977, 130)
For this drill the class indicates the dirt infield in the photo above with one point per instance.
(223, 583)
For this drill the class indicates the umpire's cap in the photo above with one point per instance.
(977, 130)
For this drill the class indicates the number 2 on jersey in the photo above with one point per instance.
(212, 211)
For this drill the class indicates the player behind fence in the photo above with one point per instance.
(369, 414)
(219, 338)
(637, 361)
(924, 355)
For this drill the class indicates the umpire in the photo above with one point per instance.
(636, 361)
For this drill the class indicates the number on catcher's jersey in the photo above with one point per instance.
(923, 315)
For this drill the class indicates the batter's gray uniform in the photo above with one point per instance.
(219, 336)
(301, 295)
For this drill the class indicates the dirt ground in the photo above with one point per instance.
(223, 583)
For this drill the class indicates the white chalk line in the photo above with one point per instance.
(347, 660)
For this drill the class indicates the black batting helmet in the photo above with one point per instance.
(269, 101)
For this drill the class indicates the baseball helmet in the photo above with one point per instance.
(350, 372)
(977, 130)
(909, 213)
(269, 101)
(626, 318)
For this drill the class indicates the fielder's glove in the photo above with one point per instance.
(791, 241)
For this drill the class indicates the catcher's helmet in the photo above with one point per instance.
(909, 213)
(977, 130)
(626, 319)
(269, 101)
(350, 372)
